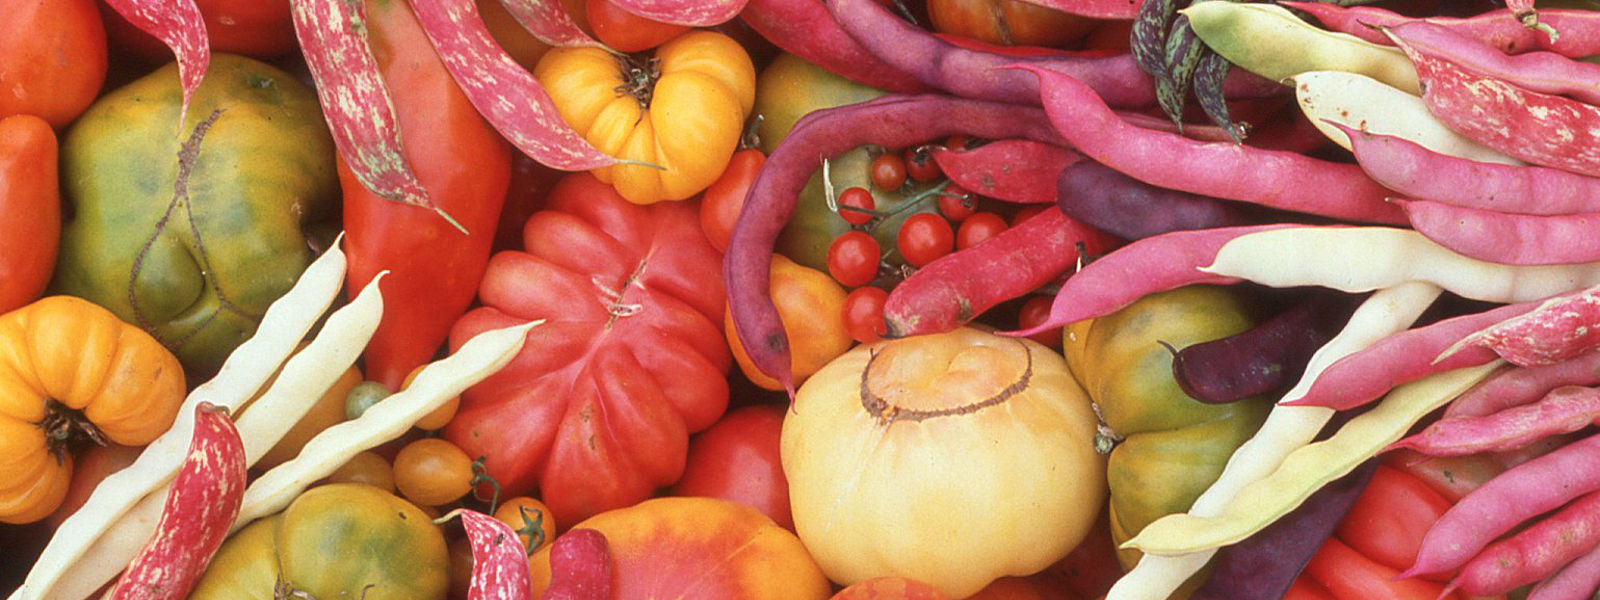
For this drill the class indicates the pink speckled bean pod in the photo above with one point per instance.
(1505, 238)
(1563, 410)
(1498, 28)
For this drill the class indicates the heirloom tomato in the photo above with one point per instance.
(737, 459)
(698, 548)
(624, 31)
(73, 373)
(340, 540)
(955, 459)
(52, 58)
(1172, 446)
(597, 409)
(679, 113)
(198, 270)
(810, 305)
(790, 88)
(30, 209)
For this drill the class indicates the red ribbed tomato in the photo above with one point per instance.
(597, 410)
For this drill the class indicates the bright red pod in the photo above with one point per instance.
(1563, 410)
(1505, 238)
(1272, 178)
(580, 567)
(202, 502)
(499, 563)
(1022, 171)
(1542, 129)
(354, 99)
(956, 288)
(806, 29)
(504, 93)
(1535, 553)
(548, 20)
(1563, 328)
(179, 25)
(1497, 28)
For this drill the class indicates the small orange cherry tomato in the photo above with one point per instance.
(368, 468)
(531, 519)
(432, 471)
(441, 416)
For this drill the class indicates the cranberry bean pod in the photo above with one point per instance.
(1271, 178)
(179, 25)
(1563, 410)
(1544, 72)
(1413, 170)
(1534, 553)
(1521, 493)
(890, 121)
(1505, 238)
(1576, 581)
(1335, 102)
(1539, 128)
(691, 13)
(1021, 171)
(1560, 329)
(580, 565)
(806, 29)
(200, 505)
(499, 563)
(1133, 210)
(957, 287)
(1515, 387)
(1496, 28)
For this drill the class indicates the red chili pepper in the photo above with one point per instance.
(201, 505)
(465, 168)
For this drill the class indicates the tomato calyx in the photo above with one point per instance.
(66, 429)
(616, 304)
(639, 76)
(886, 412)
(480, 476)
(1105, 438)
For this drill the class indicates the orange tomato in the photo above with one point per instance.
(30, 205)
(367, 468)
(441, 416)
(810, 305)
(432, 471)
(327, 412)
(624, 31)
(52, 58)
(531, 520)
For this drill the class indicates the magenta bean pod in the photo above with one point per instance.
(1121, 10)
(806, 29)
(1579, 580)
(1401, 358)
(1021, 171)
(1542, 129)
(1511, 498)
(1536, 552)
(1498, 28)
(1151, 265)
(1271, 178)
(1563, 410)
(1544, 72)
(1518, 386)
(891, 121)
(1406, 167)
(1505, 238)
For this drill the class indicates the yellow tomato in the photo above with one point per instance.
(682, 110)
(954, 459)
(809, 303)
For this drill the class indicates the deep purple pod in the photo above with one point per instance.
(1268, 357)
(1133, 210)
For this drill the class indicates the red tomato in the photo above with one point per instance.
(888, 171)
(920, 165)
(863, 313)
(853, 258)
(956, 203)
(30, 208)
(1035, 311)
(723, 200)
(1391, 516)
(52, 59)
(978, 228)
(1350, 576)
(925, 237)
(258, 28)
(858, 198)
(737, 460)
(627, 32)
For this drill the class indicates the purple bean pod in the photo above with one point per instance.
(1267, 358)
(1131, 209)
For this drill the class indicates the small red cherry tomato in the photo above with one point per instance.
(856, 198)
(920, 165)
(863, 314)
(1034, 312)
(925, 237)
(853, 258)
(956, 203)
(888, 171)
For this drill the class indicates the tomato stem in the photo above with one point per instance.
(480, 475)
(639, 75)
(66, 428)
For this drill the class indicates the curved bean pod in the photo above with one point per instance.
(1258, 361)
(1508, 239)
(806, 29)
(888, 121)
(1539, 128)
(1564, 410)
(1516, 387)
(1133, 210)
(1497, 28)
(1151, 265)
(1336, 102)
(1271, 178)
(1022, 171)
(1560, 329)
(1521, 493)
(1270, 41)
(1411, 169)
(1576, 581)
(1544, 72)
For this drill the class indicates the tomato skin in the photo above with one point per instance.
(736, 459)
(366, 468)
(531, 519)
(957, 204)
(256, 28)
(924, 238)
(888, 171)
(858, 198)
(863, 313)
(920, 165)
(853, 259)
(1350, 576)
(1035, 311)
(889, 588)
(52, 58)
(627, 32)
(30, 208)
(978, 228)
(432, 472)
(723, 200)
(1390, 518)
(1007, 22)
(803, 296)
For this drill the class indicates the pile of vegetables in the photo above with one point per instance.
(615, 299)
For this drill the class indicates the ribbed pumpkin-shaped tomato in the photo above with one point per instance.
(71, 371)
(597, 409)
(682, 111)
